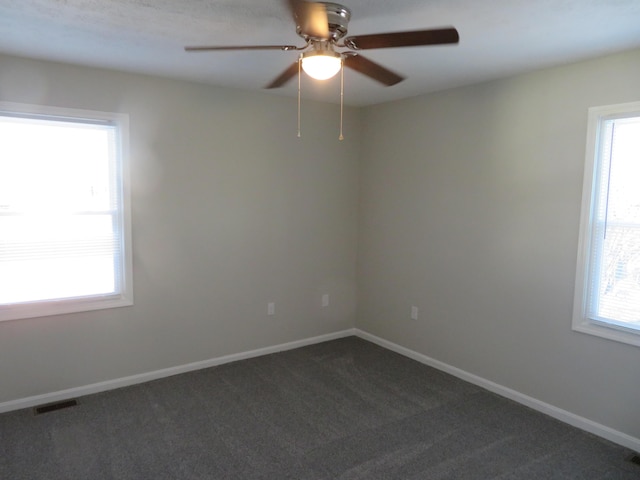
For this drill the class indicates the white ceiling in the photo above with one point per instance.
(497, 38)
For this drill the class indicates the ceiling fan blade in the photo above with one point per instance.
(285, 76)
(372, 69)
(241, 47)
(311, 17)
(438, 36)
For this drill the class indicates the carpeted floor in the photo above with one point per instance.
(345, 409)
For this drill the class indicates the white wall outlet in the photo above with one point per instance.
(271, 308)
(414, 313)
(325, 300)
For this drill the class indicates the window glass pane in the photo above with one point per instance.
(58, 166)
(59, 218)
(616, 274)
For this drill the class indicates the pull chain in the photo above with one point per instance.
(299, 81)
(341, 137)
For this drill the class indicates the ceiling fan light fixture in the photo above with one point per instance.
(321, 65)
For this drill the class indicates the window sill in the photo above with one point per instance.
(60, 307)
(611, 332)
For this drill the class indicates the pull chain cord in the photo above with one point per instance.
(341, 137)
(299, 80)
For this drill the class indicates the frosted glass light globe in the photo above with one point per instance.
(321, 65)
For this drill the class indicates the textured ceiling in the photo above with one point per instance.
(497, 38)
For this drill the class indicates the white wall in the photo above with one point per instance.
(230, 210)
(470, 205)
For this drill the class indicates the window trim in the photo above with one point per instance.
(580, 320)
(123, 298)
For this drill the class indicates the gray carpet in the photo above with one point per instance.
(345, 409)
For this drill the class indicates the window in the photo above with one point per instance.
(64, 211)
(607, 294)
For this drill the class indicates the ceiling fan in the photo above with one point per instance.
(323, 26)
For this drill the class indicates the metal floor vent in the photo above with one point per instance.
(635, 459)
(51, 407)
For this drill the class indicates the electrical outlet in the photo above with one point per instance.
(271, 308)
(414, 313)
(325, 300)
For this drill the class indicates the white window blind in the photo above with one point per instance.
(614, 290)
(63, 225)
(607, 301)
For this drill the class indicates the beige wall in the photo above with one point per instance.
(230, 211)
(468, 208)
(470, 205)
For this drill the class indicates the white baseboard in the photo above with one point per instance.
(563, 415)
(555, 412)
(43, 399)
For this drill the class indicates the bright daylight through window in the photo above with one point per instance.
(64, 226)
(607, 301)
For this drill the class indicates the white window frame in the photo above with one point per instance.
(581, 321)
(124, 295)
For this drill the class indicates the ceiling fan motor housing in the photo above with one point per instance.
(338, 17)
